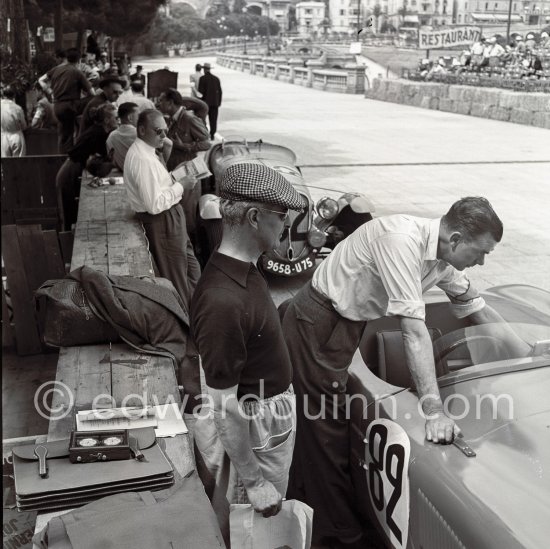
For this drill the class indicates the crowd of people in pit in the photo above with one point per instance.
(521, 58)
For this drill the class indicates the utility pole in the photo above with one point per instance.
(358, 15)
(509, 21)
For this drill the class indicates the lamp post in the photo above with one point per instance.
(358, 14)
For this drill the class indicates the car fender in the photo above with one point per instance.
(209, 206)
(358, 202)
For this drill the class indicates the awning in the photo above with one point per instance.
(502, 17)
(411, 19)
(482, 17)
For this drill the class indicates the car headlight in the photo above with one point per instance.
(316, 237)
(327, 208)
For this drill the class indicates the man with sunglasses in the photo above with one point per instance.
(155, 196)
(245, 434)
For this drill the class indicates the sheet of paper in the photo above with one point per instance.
(168, 421)
(113, 423)
(289, 529)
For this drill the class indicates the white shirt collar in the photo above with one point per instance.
(433, 239)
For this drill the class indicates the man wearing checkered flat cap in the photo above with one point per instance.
(246, 433)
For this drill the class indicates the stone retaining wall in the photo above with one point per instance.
(532, 109)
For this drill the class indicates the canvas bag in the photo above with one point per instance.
(70, 318)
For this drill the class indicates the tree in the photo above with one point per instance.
(123, 19)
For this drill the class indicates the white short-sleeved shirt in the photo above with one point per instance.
(384, 267)
(119, 141)
(149, 185)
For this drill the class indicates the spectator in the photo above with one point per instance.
(211, 92)
(121, 139)
(194, 79)
(139, 76)
(439, 68)
(44, 117)
(187, 131)
(476, 51)
(92, 47)
(520, 44)
(12, 125)
(544, 40)
(493, 53)
(68, 82)
(103, 63)
(532, 65)
(91, 142)
(111, 89)
(155, 196)
(135, 95)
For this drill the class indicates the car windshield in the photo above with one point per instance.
(488, 343)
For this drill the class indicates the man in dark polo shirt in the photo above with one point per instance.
(246, 433)
(67, 82)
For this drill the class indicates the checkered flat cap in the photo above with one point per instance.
(259, 183)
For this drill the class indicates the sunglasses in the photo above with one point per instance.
(282, 215)
(161, 131)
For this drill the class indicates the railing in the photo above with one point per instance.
(329, 80)
(284, 73)
(300, 76)
(351, 79)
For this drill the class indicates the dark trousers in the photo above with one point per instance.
(213, 119)
(171, 249)
(66, 113)
(67, 184)
(321, 344)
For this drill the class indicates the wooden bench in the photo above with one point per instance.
(109, 238)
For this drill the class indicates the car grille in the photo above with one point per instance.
(297, 246)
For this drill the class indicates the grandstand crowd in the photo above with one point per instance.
(520, 59)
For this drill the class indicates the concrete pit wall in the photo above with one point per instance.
(532, 109)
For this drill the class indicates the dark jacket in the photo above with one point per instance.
(211, 90)
(147, 313)
(192, 131)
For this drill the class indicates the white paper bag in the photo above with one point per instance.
(289, 529)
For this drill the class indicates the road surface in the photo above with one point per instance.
(406, 159)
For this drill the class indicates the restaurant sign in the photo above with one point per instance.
(445, 38)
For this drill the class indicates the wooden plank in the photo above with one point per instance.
(127, 249)
(56, 265)
(35, 262)
(83, 373)
(117, 206)
(26, 328)
(149, 379)
(91, 204)
(90, 245)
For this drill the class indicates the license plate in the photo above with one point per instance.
(289, 269)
